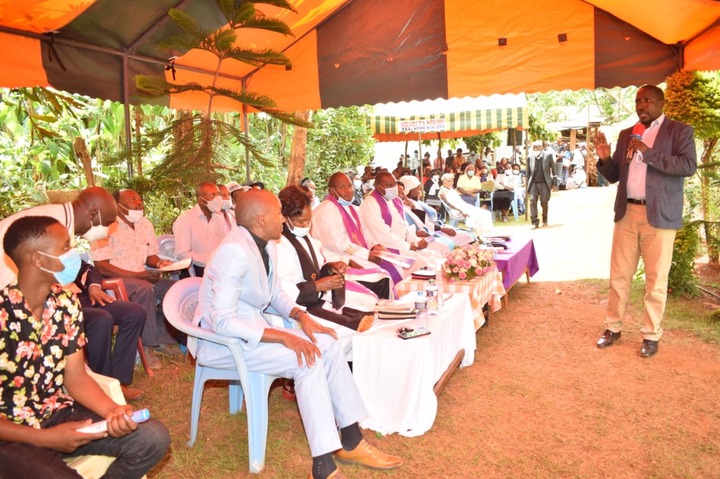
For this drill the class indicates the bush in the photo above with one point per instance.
(682, 280)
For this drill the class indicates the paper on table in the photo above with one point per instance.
(402, 261)
(178, 265)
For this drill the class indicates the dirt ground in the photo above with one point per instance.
(541, 401)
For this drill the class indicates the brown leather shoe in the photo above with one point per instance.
(368, 455)
(131, 393)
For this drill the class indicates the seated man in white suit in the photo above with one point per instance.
(383, 221)
(336, 224)
(239, 284)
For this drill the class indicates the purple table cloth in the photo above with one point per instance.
(512, 262)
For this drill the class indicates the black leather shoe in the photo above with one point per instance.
(649, 347)
(608, 338)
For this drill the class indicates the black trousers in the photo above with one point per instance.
(118, 361)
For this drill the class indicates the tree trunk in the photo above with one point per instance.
(296, 168)
(138, 138)
(82, 154)
(705, 192)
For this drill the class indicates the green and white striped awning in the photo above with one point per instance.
(452, 118)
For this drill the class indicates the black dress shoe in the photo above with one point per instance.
(649, 347)
(607, 338)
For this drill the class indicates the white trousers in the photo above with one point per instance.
(326, 393)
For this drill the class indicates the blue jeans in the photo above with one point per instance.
(136, 453)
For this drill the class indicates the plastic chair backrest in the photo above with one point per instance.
(166, 246)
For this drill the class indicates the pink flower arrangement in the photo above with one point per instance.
(468, 262)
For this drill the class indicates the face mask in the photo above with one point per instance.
(226, 205)
(214, 205)
(71, 266)
(391, 193)
(133, 216)
(297, 231)
(340, 199)
(471, 173)
(435, 179)
(357, 183)
(95, 232)
(516, 172)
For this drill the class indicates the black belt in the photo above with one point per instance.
(636, 202)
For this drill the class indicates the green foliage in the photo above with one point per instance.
(694, 98)
(478, 143)
(340, 141)
(682, 280)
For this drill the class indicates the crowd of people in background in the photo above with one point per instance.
(421, 210)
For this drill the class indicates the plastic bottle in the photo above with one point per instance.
(440, 282)
(431, 291)
(138, 416)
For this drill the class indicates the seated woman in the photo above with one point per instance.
(307, 278)
(516, 181)
(469, 185)
(477, 219)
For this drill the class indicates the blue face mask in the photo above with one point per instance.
(71, 266)
(342, 200)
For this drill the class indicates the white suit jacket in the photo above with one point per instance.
(236, 291)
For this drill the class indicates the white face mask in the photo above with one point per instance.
(516, 172)
(96, 232)
(297, 231)
(391, 193)
(133, 216)
(214, 205)
(435, 179)
(226, 205)
(471, 173)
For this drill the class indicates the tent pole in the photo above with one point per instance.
(421, 167)
(246, 128)
(126, 104)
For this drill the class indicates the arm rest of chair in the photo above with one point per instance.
(117, 286)
(209, 335)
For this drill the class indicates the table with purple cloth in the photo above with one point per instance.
(519, 258)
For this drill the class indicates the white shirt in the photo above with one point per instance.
(288, 266)
(62, 212)
(196, 237)
(398, 235)
(328, 228)
(638, 168)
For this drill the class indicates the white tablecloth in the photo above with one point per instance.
(485, 289)
(396, 377)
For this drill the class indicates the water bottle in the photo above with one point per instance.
(139, 416)
(431, 291)
(440, 282)
(421, 311)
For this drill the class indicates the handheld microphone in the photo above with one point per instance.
(637, 133)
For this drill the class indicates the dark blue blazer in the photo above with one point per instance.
(669, 161)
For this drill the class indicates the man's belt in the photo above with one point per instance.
(636, 202)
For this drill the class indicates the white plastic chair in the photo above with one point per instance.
(166, 247)
(179, 307)
(453, 216)
(166, 250)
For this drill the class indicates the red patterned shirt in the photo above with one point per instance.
(33, 352)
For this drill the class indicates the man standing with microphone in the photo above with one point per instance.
(651, 162)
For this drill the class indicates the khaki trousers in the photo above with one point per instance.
(633, 237)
